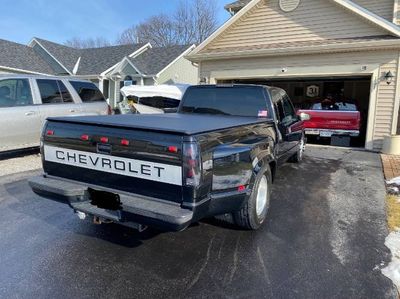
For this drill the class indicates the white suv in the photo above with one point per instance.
(26, 101)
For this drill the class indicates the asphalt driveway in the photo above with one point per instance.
(323, 239)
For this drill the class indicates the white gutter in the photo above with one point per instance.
(331, 48)
(141, 50)
(75, 70)
(23, 71)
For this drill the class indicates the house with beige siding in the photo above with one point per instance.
(347, 47)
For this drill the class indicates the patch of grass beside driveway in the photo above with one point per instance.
(393, 212)
(391, 170)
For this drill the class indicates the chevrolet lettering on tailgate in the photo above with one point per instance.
(164, 173)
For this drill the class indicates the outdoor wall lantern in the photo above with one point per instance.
(389, 77)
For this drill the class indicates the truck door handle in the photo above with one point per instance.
(29, 113)
(72, 110)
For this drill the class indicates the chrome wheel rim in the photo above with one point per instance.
(302, 148)
(262, 193)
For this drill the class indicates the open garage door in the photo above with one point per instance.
(310, 92)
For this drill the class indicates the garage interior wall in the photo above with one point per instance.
(347, 64)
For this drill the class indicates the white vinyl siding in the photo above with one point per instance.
(318, 65)
(313, 20)
(385, 104)
(382, 8)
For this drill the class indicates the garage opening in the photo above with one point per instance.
(344, 94)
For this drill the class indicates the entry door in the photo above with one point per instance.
(56, 99)
(20, 124)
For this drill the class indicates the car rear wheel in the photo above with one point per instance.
(254, 212)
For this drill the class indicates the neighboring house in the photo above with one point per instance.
(313, 48)
(110, 67)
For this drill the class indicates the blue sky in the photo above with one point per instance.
(60, 20)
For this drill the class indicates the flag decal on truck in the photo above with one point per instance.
(164, 173)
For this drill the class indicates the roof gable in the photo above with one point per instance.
(64, 55)
(97, 60)
(92, 61)
(154, 60)
(263, 23)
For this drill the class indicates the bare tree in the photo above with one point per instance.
(206, 21)
(158, 30)
(79, 43)
(185, 23)
(128, 36)
(192, 22)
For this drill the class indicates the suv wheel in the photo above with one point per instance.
(254, 212)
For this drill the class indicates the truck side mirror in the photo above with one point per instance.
(304, 116)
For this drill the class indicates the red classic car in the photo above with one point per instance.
(329, 117)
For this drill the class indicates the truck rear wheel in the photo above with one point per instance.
(298, 156)
(254, 212)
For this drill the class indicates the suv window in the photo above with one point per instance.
(236, 101)
(53, 92)
(67, 98)
(88, 92)
(15, 92)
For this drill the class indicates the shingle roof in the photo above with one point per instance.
(156, 59)
(97, 60)
(237, 5)
(66, 55)
(93, 60)
(14, 55)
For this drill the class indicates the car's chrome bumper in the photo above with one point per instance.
(330, 132)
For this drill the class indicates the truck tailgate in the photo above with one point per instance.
(333, 120)
(135, 161)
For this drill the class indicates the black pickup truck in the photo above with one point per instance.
(217, 156)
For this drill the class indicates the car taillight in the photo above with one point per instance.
(191, 164)
(109, 110)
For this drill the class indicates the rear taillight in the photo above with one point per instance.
(109, 110)
(191, 164)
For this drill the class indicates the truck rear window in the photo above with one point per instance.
(334, 106)
(88, 92)
(235, 101)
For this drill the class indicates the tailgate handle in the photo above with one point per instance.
(104, 148)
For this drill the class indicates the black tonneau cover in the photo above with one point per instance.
(181, 123)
